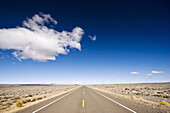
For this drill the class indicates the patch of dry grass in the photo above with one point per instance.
(17, 97)
(140, 98)
(39, 98)
(34, 99)
(133, 97)
(26, 100)
(164, 103)
(19, 104)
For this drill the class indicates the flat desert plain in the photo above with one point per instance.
(156, 95)
(16, 97)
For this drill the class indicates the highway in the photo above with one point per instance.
(85, 100)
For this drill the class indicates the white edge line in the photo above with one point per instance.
(116, 102)
(54, 101)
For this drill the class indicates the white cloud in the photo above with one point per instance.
(149, 74)
(37, 41)
(135, 73)
(157, 72)
(77, 82)
(92, 37)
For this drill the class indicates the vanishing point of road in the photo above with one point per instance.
(85, 100)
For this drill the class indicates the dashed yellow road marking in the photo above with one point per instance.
(83, 103)
(83, 92)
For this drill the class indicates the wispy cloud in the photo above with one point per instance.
(149, 74)
(135, 73)
(92, 37)
(34, 40)
(157, 72)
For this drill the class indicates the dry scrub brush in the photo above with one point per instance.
(34, 99)
(164, 103)
(26, 100)
(19, 104)
(39, 98)
(133, 97)
(140, 98)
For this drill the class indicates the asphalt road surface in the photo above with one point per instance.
(87, 100)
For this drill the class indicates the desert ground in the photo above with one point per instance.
(150, 94)
(16, 97)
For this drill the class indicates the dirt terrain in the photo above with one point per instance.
(153, 94)
(15, 97)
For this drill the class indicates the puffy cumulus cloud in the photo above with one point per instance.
(34, 40)
(157, 72)
(92, 37)
(135, 73)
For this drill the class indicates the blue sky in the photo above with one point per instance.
(132, 41)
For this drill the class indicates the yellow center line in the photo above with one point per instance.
(83, 103)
